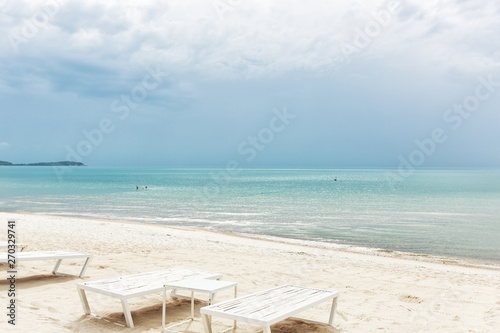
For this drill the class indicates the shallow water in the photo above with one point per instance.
(442, 212)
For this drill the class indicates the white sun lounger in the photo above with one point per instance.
(49, 255)
(125, 287)
(270, 306)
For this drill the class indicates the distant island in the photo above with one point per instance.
(63, 163)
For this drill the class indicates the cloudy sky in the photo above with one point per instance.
(283, 83)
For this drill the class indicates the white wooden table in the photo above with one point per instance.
(195, 285)
(270, 306)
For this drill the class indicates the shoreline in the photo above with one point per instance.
(376, 292)
(464, 262)
(373, 251)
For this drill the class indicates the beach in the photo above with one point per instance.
(377, 293)
(336, 154)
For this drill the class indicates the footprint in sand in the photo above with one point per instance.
(343, 316)
(410, 299)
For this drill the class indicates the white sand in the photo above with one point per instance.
(376, 293)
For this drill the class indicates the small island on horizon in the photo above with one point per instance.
(62, 163)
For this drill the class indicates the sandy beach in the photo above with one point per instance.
(377, 293)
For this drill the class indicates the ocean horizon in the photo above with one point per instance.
(439, 212)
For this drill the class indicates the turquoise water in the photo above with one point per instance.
(453, 213)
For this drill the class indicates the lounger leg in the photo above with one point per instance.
(207, 324)
(85, 302)
(56, 267)
(126, 312)
(164, 308)
(332, 312)
(192, 305)
(267, 329)
(84, 268)
(235, 296)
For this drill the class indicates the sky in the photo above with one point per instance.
(283, 83)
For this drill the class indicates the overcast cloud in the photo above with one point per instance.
(364, 80)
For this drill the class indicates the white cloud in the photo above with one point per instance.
(4, 145)
(243, 39)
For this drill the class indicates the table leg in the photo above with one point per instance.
(211, 299)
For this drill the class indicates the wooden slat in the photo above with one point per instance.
(267, 306)
(143, 283)
(263, 300)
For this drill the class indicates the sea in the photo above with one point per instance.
(452, 213)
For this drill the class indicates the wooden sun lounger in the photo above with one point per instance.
(268, 307)
(125, 287)
(49, 255)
